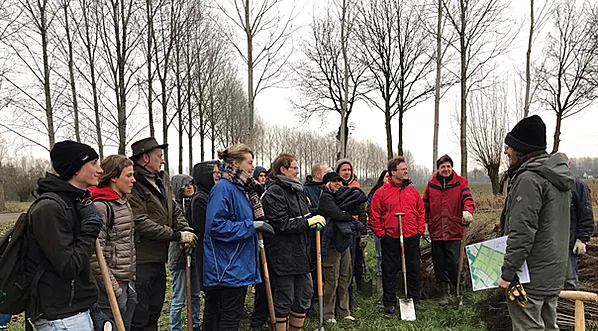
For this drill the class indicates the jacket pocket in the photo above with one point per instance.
(72, 297)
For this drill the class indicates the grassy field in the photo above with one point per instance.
(369, 311)
(16, 206)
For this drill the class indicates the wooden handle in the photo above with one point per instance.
(319, 264)
(120, 326)
(399, 214)
(580, 318)
(579, 295)
(461, 259)
(266, 280)
(188, 288)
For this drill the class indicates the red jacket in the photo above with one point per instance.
(394, 198)
(445, 203)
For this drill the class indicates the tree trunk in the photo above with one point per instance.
(122, 106)
(47, 89)
(464, 51)
(250, 92)
(150, 74)
(164, 121)
(400, 146)
(557, 132)
(344, 40)
(528, 62)
(69, 41)
(2, 198)
(388, 132)
(437, 87)
(493, 174)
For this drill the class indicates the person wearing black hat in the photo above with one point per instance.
(449, 207)
(536, 220)
(61, 238)
(157, 223)
(336, 239)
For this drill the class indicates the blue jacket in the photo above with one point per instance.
(231, 256)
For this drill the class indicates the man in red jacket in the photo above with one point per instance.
(398, 196)
(449, 207)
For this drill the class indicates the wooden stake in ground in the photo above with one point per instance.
(120, 326)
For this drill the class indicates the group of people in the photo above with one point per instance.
(144, 221)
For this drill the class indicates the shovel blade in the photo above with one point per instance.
(407, 309)
(367, 287)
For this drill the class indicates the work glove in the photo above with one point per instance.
(426, 236)
(90, 215)
(363, 242)
(517, 293)
(579, 248)
(263, 227)
(467, 218)
(318, 222)
(188, 238)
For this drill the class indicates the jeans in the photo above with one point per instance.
(179, 298)
(79, 322)
(378, 245)
(391, 266)
(572, 280)
(4, 319)
(223, 308)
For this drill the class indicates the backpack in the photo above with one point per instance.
(110, 212)
(15, 287)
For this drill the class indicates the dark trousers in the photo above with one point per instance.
(292, 292)
(445, 256)
(127, 302)
(223, 308)
(391, 265)
(260, 306)
(151, 289)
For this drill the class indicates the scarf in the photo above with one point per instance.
(239, 177)
(295, 185)
(513, 169)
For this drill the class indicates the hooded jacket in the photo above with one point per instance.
(339, 230)
(196, 214)
(536, 219)
(56, 234)
(582, 217)
(231, 256)
(352, 182)
(285, 206)
(394, 198)
(313, 190)
(176, 256)
(157, 220)
(118, 242)
(445, 199)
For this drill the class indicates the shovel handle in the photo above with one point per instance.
(319, 263)
(266, 280)
(188, 290)
(403, 266)
(120, 326)
(461, 259)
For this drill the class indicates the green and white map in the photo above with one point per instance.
(485, 261)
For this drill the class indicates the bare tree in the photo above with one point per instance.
(484, 30)
(397, 51)
(568, 78)
(487, 128)
(320, 78)
(266, 50)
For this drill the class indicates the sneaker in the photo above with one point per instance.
(350, 318)
(390, 310)
(330, 321)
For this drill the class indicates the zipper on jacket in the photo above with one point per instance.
(72, 293)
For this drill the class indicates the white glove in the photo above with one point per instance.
(579, 248)
(188, 238)
(467, 218)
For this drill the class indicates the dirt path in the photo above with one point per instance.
(11, 217)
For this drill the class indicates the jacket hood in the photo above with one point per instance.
(51, 183)
(103, 193)
(257, 171)
(202, 175)
(340, 162)
(553, 168)
(178, 185)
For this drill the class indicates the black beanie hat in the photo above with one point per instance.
(529, 135)
(331, 177)
(442, 159)
(69, 156)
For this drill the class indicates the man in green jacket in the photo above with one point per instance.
(536, 220)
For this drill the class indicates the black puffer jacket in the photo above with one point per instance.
(285, 206)
(67, 286)
(204, 180)
(339, 229)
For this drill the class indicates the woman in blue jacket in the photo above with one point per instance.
(231, 256)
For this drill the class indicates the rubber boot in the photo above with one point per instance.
(282, 323)
(445, 294)
(296, 321)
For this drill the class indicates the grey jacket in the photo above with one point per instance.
(118, 245)
(536, 218)
(176, 256)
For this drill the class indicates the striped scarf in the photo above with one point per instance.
(239, 177)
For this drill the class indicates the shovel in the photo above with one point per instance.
(266, 275)
(319, 275)
(406, 306)
(458, 300)
(120, 326)
(188, 289)
(367, 287)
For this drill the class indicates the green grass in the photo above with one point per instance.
(16, 206)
